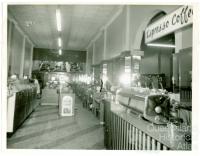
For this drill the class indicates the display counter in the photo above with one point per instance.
(44, 77)
(53, 82)
(20, 103)
(126, 130)
(132, 121)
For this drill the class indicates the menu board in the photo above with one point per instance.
(67, 105)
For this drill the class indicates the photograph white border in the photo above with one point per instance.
(195, 78)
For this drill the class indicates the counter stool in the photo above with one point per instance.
(96, 108)
(89, 102)
(84, 102)
(75, 112)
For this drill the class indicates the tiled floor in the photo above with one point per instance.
(45, 129)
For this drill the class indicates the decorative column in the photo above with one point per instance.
(105, 43)
(127, 46)
(31, 61)
(9, 39)
(135, 66)
(22, 58)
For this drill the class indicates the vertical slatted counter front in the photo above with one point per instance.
(124, 131)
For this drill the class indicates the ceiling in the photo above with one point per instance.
(80, 23)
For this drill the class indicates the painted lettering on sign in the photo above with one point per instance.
(170, 23)
(67, 103)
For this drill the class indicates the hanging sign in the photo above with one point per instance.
(176, 20)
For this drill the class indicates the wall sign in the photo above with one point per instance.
(169, 23)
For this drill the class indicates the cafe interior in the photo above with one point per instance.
(99, 77)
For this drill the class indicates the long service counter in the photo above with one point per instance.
(20, 104)
(125, 130)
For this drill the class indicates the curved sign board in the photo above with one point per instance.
(178, 19)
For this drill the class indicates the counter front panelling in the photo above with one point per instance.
(20, 106)
(127, 131)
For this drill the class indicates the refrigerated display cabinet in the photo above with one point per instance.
(19, 107)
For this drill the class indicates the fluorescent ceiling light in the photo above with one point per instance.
(136, 57)
(58, 19)
(60, 52)
(161, 45)
(59, 42)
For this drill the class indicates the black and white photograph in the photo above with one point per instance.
(99, 76)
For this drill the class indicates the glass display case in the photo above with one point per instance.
(21, 101)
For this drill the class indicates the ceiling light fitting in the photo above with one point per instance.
(58, 19)
(59, 42)
(161, 45)
(60, 52)
(28, 23)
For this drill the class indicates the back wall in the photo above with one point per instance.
(52, 55)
